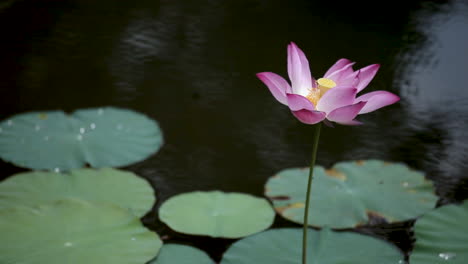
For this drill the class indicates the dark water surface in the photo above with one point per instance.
(191, 65)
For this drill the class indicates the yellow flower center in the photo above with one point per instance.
(323, 85)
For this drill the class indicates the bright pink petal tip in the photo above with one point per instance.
(298, 69)
(298, 102)
(345, 114)
(337, 66)
(341, 74)
(276, 84)
(350, 80)
(366, 75)
(309, 117)
(376, 100)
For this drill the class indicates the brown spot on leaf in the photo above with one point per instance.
(386, 163)
(360, 162)
(294, 205)
(42, 116)
(336, 174)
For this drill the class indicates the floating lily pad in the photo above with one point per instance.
(284, 246)
(104, 185)
(442, 236)
(74, 232)
(351, 192)
(217, 214)
(181, 254)
(100, 137)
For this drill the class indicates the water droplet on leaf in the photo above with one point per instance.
(447, 255)
(68, 244)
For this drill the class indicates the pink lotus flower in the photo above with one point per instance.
(332, 97)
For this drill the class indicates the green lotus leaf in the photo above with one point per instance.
(100, 137)
(351, 193)
(442, 236)
(181, 254)
(284, 246)
(104, 185)
(217, 214)
(74, 232)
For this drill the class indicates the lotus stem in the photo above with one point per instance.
(309, 187)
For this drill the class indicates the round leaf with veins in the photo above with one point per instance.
(75, 232)
(442, 236)
(352, 193)
(122, 188)
(100, 137)
(283, 246)
(217, 214)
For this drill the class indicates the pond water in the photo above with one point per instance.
(191, 65)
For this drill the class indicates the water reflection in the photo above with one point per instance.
(433, 74)
(146, 38)
(432, 79)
